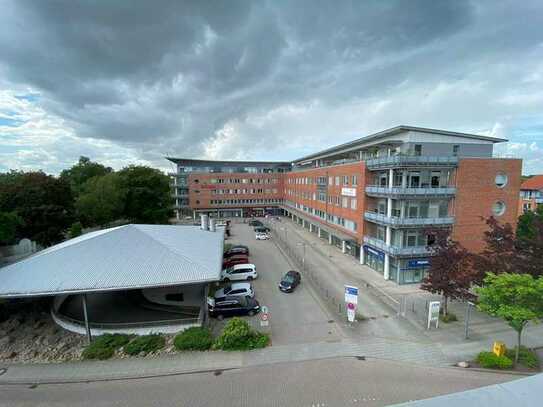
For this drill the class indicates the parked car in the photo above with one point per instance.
(239, 272)
(235, 290)
(289, 281)
(262, 236)
(233, 260)
(237, 249)
(232, 306)
(262, 229)
(255, 223)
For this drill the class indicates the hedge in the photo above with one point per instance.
(526, 357)
(490, 360)
(238, 335)
(145, 344)
(104, 346)
(195, 338)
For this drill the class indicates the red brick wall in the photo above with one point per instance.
(355, 215)
(477, 192)
(201, 182)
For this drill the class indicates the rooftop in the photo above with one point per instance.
(119, 258)
(534, 182)
(223, 162)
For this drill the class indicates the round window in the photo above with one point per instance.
(501, 180)
(498, 208)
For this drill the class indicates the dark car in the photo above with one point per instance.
(255, 223)
(289, 281)
(262, 229)
(233, 306)
(236, 250)
(233, 260)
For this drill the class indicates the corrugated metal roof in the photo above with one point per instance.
(124, 257)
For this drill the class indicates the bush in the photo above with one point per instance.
(526, 357)
(104, 346)
(195, 338)
(490, 360)
(226, 247)
(450, 317)
(75, 230)
(238, 335)
(145, 344)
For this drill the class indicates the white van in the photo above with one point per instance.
(239, 272)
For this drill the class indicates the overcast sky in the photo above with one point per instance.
(132, 81)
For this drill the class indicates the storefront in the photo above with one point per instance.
(413, 270)
(375, 259)
(352, 248)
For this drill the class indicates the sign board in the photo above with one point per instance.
(348, 191)
(351, 299)
(375, 252)
(416, 263)
(265, 310)
(264, 316)
(498, 348)
(433, 313)
(351, 311)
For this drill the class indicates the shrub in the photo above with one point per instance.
(226, 247)
(490, 360)
(145, 344)
(526, 357)
(450, 317)
(104, 346)
(195, 338)
(75, 230)
(238, 335)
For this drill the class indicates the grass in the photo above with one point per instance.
(195, 338)
(104, 346)
(145, 344)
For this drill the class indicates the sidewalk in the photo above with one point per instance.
(193, 362)
(378, 297)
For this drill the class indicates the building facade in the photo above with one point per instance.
(531, 194)
(378, 198)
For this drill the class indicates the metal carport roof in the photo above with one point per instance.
(124, 257)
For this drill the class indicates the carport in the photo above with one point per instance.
(128, 276)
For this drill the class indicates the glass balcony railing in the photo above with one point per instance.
(379, 191)
(397, 251)
(406, 222)
(410, 161)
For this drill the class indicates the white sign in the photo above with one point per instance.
(264, 316)
(351, 311)
(351, 294)
(348, 191)
(433, 313)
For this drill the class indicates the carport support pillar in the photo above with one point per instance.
(86, 315)
(319, 234)
(343, 246)
(329, 238)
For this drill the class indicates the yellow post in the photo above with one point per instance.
(499, 348)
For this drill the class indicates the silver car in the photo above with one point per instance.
(235, 290)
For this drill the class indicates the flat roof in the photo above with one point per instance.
(119, 258)
(224, 162)
(392, 131)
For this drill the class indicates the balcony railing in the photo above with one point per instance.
(378, 191)
(407, 222)
(397, 251)
(410, 161)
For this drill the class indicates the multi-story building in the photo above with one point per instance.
(531, 194)
(227, 188)
(378, 198)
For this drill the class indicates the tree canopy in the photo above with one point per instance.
(83, 171)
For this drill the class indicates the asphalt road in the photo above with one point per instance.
(323, 383)
(296, 317)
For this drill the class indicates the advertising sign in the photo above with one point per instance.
(348, 191)
(351, 301)
(416, 263)
(433, 313)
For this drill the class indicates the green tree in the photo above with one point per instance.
(43, 202)
(81, 172)
(101, 200)
(516, 298)
(148, 198)
(9, 223)
(527, 223)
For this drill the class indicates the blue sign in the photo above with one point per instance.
(351, 290)
(375, 252)
(416, 263)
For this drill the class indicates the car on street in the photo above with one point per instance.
(262, 229)
(289, 281)
(234, 306)
(237, 249)
(262, 236)
(233, 260)
(235, 290)
(255, 223)
(239, 272)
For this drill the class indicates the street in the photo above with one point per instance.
(327, 382)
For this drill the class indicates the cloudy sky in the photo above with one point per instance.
(132, 81)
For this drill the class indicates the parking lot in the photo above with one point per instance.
(295, 317)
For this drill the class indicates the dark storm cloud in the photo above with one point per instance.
(169, 75)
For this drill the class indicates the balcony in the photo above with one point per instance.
(395, 221)
(405, 161)
(397, 251)
(400, 192)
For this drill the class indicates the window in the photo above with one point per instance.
(354, 180)
(175, 297)
(345, 180)
(501, 180)
(344, 202)
(456, 148)
(498, 208)
(337, 181)
(353, 203)
(418, 149)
